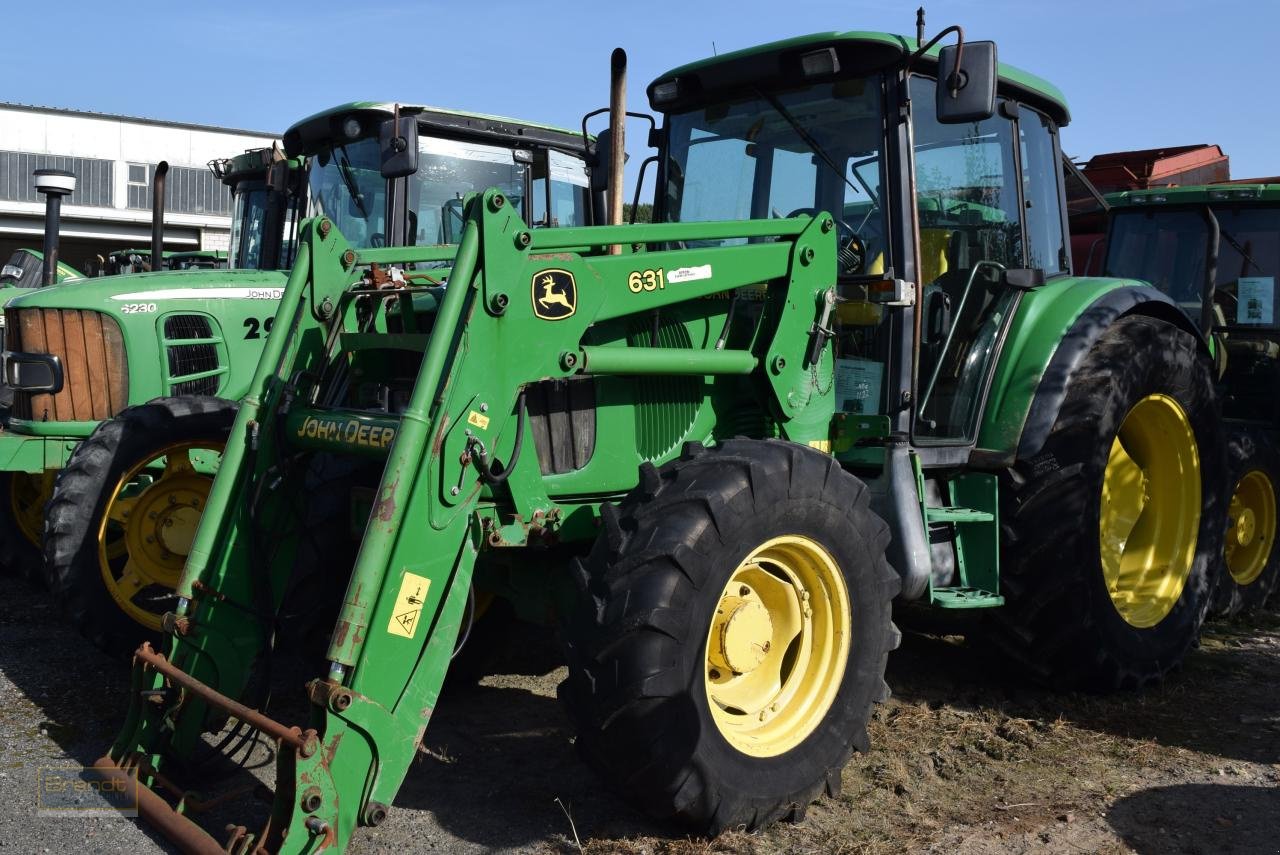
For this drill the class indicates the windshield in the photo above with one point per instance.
(1168, 247)
(248, 225)
(780, 154)
(448, 170)
(347, 186)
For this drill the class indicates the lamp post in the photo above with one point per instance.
(54, 184)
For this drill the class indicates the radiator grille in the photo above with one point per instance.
(95, 369)
(665, 407)
(192, 357)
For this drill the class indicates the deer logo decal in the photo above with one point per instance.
(555, 295)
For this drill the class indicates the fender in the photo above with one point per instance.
(1055, 327)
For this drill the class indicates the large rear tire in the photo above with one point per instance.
(732, 634)
(1250, 559)
(123, 513)
(1111, 534)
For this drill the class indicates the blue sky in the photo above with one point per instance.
(1137, 73)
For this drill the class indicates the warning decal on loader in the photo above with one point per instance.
(408, 607)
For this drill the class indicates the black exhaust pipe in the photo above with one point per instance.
(157, 216)
(54, 184)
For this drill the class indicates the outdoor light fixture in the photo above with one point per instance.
(819, 62)
(54, 184)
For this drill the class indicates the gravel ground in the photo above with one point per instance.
(963, 759)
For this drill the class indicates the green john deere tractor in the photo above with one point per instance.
(847, 363)
(1215, 250)
(125, 505)
(76, 355)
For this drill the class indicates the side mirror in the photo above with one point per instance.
(398, 142)
(600, 161)
(278, 177)
(1023, 278)
(967, 93)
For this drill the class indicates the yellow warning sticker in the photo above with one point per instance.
(407, 612)
(474, 418)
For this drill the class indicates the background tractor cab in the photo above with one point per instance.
(396, 175)
(1215, 251)
(25, 269)
(268, 198)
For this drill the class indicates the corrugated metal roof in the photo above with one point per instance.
(143, 120)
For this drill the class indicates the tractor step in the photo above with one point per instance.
(966, 598)
(956, 515)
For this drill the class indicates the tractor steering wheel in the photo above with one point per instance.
(851, 254)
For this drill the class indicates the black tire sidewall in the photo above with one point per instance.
(1248, 448)
(801, 765)
(80, 498)
(636, 646)
(1064, 619)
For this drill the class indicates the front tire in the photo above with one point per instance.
(732, 635)
(1111, 533)
(123, 513)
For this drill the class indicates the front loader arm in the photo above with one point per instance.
(519, 308)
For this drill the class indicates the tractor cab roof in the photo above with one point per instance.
(856, 52)
(1196, 195)
(309, 135)
(250, 164)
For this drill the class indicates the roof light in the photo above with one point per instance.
(667, 90)
(1247, 193)
(351, 127)
(1161, 198)
(819, 63)
(1219, 195)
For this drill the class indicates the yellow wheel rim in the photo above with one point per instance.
(149, 523)
(28, 494)
(777, 646)
(1251, 527)
(1150, 513)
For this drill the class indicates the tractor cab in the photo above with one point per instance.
(199, 259)
(124, 261)
(1215, 251)
(268, 197)
(396, 175)
(934, 209)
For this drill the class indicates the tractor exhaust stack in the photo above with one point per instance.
(157, 216)
(617, 133)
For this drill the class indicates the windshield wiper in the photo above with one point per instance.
(805, 136)
(344, 170)
(1235, 244)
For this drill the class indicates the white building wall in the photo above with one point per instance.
(123, 140)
